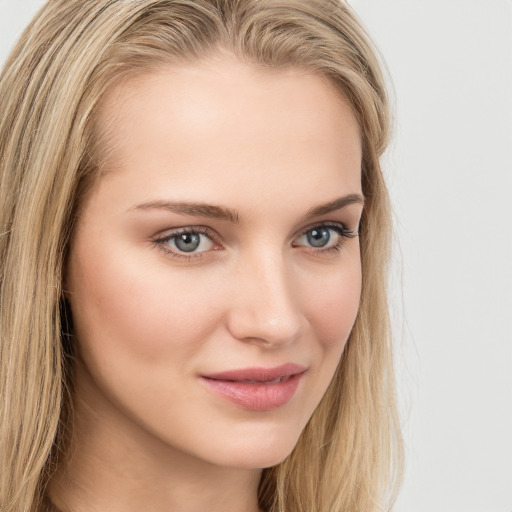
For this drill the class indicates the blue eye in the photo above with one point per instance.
(192, 242)
(325, 237)
(318, 237)
(187, 242)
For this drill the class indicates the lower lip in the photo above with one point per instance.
(255, 397)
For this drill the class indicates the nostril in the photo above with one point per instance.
(250, 324)
(264, 307)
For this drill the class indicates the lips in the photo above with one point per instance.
(256, 389)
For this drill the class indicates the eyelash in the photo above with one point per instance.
(343, 232)
(344, 235)
(161, 243)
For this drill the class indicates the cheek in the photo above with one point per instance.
(332, 305)
(121, 304)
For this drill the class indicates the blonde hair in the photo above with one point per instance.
(348, 457)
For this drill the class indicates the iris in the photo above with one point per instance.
(187, 242)
(318, 237)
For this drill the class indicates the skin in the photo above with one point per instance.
(270, 145)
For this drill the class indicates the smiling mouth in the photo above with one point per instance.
(268, 382)
(258, 374)
(256, 389)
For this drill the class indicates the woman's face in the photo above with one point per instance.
(214, 274)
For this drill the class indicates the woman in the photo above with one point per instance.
(194, 242)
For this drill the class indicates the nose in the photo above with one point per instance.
(264, 307)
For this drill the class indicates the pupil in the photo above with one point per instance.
(187, 242)
(318, 237)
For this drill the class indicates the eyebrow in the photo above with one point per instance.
(337, 204)
(195, 209)
(219, 212)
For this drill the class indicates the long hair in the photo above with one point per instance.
(348, 457)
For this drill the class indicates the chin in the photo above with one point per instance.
(259, 452)
(257, 461)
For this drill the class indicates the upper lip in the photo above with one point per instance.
(258, 374)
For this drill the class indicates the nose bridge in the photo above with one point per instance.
(265, 307)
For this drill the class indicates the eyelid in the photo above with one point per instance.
(336, 225)
(343, 234)
(160, 241)
(342, 230)
(200, 230)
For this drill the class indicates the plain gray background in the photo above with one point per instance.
(449, 171)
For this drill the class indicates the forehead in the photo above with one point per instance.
(224, 121)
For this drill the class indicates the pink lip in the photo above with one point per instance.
(257, 389)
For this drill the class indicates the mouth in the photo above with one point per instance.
(266, 382)
(256, 389)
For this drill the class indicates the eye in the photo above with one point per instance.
(186, 242)
(325, 237)
(318, 237)
(191, 242)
